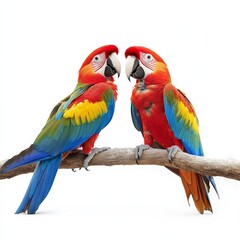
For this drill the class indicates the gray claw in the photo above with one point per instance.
(139, 151)
(90, 156)
(172, 151)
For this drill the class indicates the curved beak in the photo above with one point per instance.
(133, 68)
(113, 66)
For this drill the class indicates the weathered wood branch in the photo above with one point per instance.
(228, 168)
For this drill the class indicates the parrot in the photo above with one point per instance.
(75, 122)
(166, 118)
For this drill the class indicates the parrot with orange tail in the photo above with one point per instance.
(73, 123)
(166, 119)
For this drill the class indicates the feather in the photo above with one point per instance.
(182, 119)
(136, 118)
(40, 185)
(29, 155)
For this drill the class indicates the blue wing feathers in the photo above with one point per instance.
(29, 155)
(181, 127)
(64, 134)
(60, 136)
(136, 118)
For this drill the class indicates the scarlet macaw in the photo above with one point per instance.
(166, 118)
(74, 122)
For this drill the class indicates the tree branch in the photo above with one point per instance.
(228, 168)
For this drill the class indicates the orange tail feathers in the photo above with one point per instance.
(194, 185)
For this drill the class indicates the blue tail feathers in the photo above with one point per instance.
(40, 185)
(212, 181)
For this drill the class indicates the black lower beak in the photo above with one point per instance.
(137, 71)
(109, 69)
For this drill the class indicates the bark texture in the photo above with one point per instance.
(228, 168)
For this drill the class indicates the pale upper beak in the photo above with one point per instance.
(129, 66)
(134, 68)
(113, 65)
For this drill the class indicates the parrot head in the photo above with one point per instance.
(100, 65)
(146, 66)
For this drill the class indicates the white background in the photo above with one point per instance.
(42, 46)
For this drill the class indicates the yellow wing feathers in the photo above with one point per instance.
(188, 116)
(85, 112)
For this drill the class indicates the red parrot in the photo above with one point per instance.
(73, 123)
(166, 119)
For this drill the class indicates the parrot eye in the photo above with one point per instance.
(97, 58)
(148, 60)
(98, 61)
(148, 57)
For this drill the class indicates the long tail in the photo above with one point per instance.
(40, 185)
(197, 186)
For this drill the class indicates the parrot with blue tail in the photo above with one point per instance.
(74, 123)
(166, 118)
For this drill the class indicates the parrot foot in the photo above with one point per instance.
(139, 151)
(90, 156)
(172, 151)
